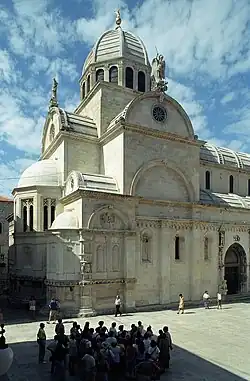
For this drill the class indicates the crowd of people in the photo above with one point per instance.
(106, 353)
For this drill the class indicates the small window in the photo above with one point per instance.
(100, 75)
(207, 180)
(206, 248)
(88, 84)
(25, 218)
(141, 81)
(231, 184)
(45, 217)
(1, 228)
(31, 211)
(177, 248)
(248, 188)
(113, 74)
(53, 213)
(83, 90)
(129, 78)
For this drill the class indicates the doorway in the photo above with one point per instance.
(235, 268)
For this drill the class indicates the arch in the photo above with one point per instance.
(129, 78)
(113, 75)
(235, 269)
(141, 81)
(88, 84)
(168, 164)
(109, 209)
(99, 75)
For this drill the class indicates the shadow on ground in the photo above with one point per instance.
(184, 366)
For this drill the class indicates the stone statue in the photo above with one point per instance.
(158, 73)
(54, 89)
(118, 19)
(53, 99)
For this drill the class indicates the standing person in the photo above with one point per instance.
(206, 300)
(219, 300)
(41, 341)
(181, 304)
(118, 305)
(32, 307)
(59, 327)
(53, 310)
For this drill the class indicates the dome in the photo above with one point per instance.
(66, 220)
(117, 43)
(41, 173)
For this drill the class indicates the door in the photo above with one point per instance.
(232, 278)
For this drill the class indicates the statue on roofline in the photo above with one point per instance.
(118, 19)
(158, 73)
(53, 99)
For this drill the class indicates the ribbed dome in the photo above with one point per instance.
(42, 173)
(115, 44)
(66, 220)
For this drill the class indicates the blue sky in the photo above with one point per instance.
(206, 45)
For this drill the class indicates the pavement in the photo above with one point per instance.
(209, 345)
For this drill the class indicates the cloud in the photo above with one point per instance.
(7, 67)
(228, 98)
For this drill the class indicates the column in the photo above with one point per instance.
(165, 251)
(195, 262)
(135, 84)
(49, 212)
(130, 270)
(85, 284)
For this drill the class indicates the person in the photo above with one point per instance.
(41, 341)
(117, 305)
(164, 356)
(206, 300)
(72, 354)
(32, 307)
(59, 327)
(52, 348)
(219, 300)
(53, 310)
(181, 304)
(113, 328)
(89, 365)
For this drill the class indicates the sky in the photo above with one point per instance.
(206, 45)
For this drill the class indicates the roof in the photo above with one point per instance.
(42, 173)
(81, 124)
(115, 44)
(5, 199)
(224, 199)
(219, 155)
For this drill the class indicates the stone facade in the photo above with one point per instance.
(127, 199)
(6, 208)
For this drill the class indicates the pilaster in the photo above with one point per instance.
(165, 237)
(129, 270)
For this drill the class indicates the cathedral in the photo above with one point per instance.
(126, 198)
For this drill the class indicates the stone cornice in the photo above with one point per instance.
(61, 283)
(208, 164)
(120, 127)
(188, 224)
(113, 281)
(79, 193)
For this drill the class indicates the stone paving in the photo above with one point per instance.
(209, 345)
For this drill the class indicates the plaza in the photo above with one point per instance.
(209, 345)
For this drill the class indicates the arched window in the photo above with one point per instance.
(25, 218)
(83, 90)
(231, 184)
(207, 180)
(248, 188)
(129, 78)
(1, 228)
(31, 212)
(99, 75)
(113, 74)
(141, 81)
(177, 248)
(52, 213)
(206, 248)
(45, 217)
(88, 84)
(52, 133)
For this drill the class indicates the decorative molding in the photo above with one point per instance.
(60, 283)
(113, 281)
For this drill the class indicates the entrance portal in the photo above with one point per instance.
(235, 268)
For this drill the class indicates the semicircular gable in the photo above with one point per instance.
(141, 112)
(160, 180)
(52, 121)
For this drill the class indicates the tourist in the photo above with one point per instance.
(167, 333)
(153, 352)
(113, 328)
(181, 304)
(163, 345)
(41, 340)
(52, 347)
(72, 354)
(206, 298)
(59, 327)
(53, 307)
(219, 300)
(118, 305)
(89, 366)
(32, 307)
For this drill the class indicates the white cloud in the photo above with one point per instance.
(228, 98)
(7, 67)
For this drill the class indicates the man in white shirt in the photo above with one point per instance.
(118, 305)
(206, 300)
(219, 299)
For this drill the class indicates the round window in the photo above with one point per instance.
(159, 113)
